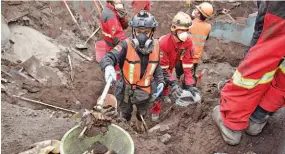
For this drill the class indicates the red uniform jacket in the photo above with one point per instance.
(172, 52)
(112, 26)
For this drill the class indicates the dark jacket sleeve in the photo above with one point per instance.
(158, 75)
(115, 56)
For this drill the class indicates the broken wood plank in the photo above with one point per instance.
(81, 54)
(45, 104)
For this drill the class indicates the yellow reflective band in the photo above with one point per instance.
(187, 65)
(164, 67)
(199, 43)
(152, 69)
(131, 73)
(251, 83)
(106, 34)
(282, 67)
(198, 36)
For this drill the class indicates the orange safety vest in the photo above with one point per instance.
(132, 67)
(199, 33)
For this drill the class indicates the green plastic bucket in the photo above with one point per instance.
(116, 138)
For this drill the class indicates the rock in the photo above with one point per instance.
(165, 138)
(5, 32)
(19, 61)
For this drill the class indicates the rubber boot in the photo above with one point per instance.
(257, 121)
(254, 128)
(230, 136)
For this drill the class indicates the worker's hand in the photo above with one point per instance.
(188, 3)
(108, 112)
(122, 13)
(192, 89)
(159, 89)
(110, 72)
(176, 91)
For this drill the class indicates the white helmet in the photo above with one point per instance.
(187, 98)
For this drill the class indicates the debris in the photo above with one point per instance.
(65, 3)
(41, 73)
(83, 46)
(81, 54)
(38, 102)
(165, 138)
(70, 65)
(144, 123)
(161, 127)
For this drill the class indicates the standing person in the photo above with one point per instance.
(200, 30)
(139, 5)
(113, 22)
(138, 58)
(257, 88)
(177, 51)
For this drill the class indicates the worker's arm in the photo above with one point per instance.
(158, 75)
(124, 22)
(115, 56)
(187, 64)
(115, 30)
(164, 62)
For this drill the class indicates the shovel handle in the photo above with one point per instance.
(105, 91)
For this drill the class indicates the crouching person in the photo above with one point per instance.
(138, 58)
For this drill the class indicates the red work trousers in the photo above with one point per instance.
(260, 78)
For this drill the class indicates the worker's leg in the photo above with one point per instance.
(126, 110)
(141, 111)
(165, 94)
(273, 99)
(240, 96)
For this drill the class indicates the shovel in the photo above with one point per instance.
(84, 46)
(101, 101)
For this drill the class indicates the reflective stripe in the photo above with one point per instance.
(187, 65)
(251, 83)
(164, 67)
(131, 73)
(106, 34)
(282, 66)
(199, 43)
(198, 36)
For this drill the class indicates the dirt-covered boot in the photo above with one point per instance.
(166, 99)
(257, 121)
(254, 128)
(230, 136)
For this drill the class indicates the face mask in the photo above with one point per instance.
(119, 6)
(193, 13)
(183, 36)
(143, 44)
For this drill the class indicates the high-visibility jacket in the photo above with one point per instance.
(132, 67)
(199, 32)
(112, 26)
(137, 5)
(172, 52)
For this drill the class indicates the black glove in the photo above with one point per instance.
(122, 13)
(175, 91)
(192, 89)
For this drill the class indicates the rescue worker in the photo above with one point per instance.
(138, 5)
(138, 58)
(257, 88)
(113, 22)
(200, 31)
(177, 50)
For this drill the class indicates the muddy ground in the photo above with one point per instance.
(191, 129)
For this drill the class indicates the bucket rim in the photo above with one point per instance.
(75, 127)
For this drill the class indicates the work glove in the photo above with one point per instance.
(175, 91)
(188, 3)
(110, 72)
(122, 13)
(192, 89)
(159, 90)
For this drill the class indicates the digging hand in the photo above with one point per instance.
(122, 13)
(175, 91)
(110, 72)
